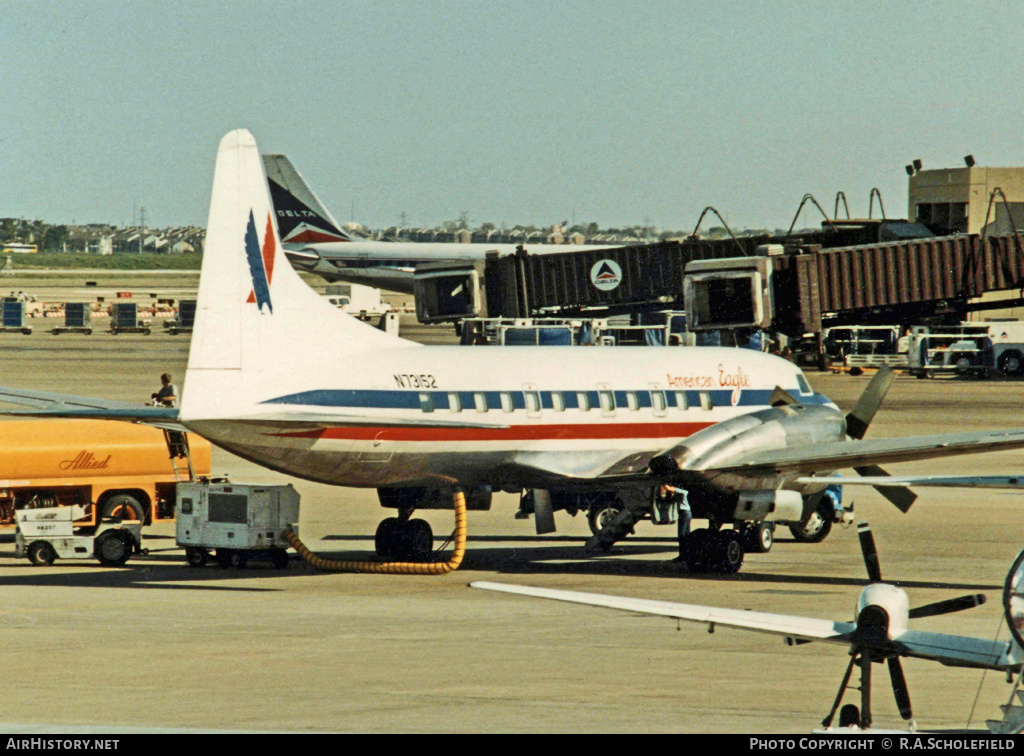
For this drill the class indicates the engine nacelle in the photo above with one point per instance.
(883, 611)
(773, 506)
(729, 441)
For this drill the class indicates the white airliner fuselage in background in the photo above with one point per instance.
(279, 376)
(314, 242)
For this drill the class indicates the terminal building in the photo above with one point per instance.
(956, 200)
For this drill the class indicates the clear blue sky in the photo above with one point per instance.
(528, 111)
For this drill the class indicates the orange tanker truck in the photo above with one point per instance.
(122, 469)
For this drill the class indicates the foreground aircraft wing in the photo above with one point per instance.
(951, 650)
(844, 454)
(803, 628)
(956, 650)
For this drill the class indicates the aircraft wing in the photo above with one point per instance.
(957, 650)
(47, 404)
(843, 454)
(922, 481)
(951, 650)
(803, 628)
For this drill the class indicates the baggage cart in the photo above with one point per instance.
(77, 319)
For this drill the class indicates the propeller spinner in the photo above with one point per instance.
(872, 641)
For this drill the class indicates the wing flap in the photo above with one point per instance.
(805, 628)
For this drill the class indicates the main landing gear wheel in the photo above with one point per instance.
(404, 540)
(727, 552)
(817, 525)
(759, 537)
(713, 551)
(601, 514)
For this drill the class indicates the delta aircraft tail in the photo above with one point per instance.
(260, 331)
(301, 216)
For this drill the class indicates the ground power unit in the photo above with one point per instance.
(237, 522)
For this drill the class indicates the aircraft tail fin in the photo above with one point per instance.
(260, 331)
(301, 217)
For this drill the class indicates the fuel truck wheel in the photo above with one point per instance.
(123, 507)
(196, 557)
(113, 549)
(816, 527)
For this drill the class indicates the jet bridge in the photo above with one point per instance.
(790, 288)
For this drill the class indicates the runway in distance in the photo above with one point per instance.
(879, 632)
(314, 242)
(280, 377)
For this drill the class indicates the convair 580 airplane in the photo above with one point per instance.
(314, 242)
(280, 377)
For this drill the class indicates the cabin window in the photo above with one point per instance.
(532, 401)
(480, 400)
(454, 402)
(681, 402)
(706, 401)
(607, 401)
(426, 402)
(558, 401)
(658, 401)
(506, 402)
(582, 401)
(632, 401)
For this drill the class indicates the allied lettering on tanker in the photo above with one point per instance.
(85, 460)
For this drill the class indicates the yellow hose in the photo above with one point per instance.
(394, 568)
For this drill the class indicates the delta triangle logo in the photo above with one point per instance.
(261, 262)
(605, 275)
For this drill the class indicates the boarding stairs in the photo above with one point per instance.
(1012, 722)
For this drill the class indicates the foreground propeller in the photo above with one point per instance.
(857, 422)
(869, 646)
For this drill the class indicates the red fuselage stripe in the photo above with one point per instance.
(576, 432)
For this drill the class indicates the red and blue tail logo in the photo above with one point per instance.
(261, 262)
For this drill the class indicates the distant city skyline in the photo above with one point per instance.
(507, 112)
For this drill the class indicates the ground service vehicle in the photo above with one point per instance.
(44, 535)
(964, 349)
(241, 522)
(125, 470)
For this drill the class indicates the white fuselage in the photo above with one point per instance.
(566, 413)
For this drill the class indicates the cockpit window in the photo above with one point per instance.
(802, 382)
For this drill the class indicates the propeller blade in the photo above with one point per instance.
(859, 419)
(781, 398)
(899, 687)
(949, 605)
(900, 497)
(867, 548)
